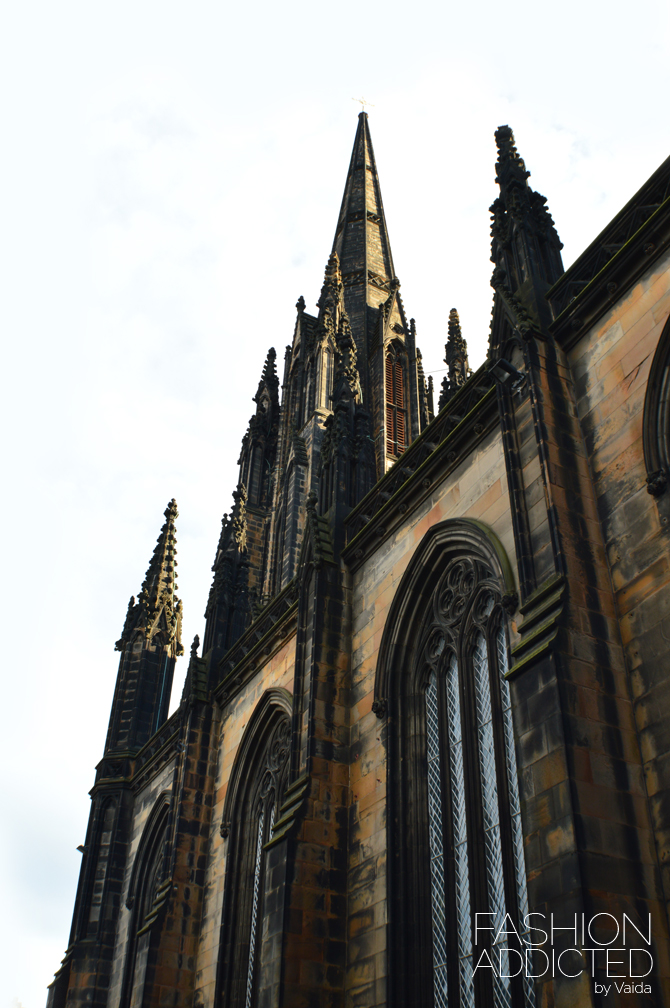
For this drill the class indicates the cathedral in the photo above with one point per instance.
(422, 757)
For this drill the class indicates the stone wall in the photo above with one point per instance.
(477, 488)
(611, 365)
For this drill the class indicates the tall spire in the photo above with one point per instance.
(361, 238)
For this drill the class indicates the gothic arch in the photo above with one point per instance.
(455, 835)
(148, 872)
(398, 646)
(154, 826)
(258, 779)
(656, 418)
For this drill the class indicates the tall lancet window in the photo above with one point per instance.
(454, 788)
(258, 784)
(255, 476)
(396, 411)
(329, 376)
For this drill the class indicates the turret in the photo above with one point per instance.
(149, 645)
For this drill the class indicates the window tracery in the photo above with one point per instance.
(456, 836)
(466, 660)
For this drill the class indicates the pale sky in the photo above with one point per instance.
(171, 179)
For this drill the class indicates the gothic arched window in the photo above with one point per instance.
(147, 875)
(257, 786)
(396, 410)
(457, 838)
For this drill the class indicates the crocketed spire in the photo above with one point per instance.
(157, 606)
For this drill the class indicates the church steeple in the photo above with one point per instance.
(353, 383)
(149, 645)
(392, 391)
(361, 238)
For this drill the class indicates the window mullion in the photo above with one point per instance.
(254, 909)
(436, 843)
(491, 818)
(459, 831)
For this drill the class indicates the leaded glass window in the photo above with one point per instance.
(475, 836)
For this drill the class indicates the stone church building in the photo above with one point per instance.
(422, 758)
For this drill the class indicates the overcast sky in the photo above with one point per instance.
(171, 179)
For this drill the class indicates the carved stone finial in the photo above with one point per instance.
(332, 284)
(300, 304)
(508, 156)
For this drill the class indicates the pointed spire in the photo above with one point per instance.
(160, 580)
(361, 238)
(150, 644)
(158, 590)
(456, 359)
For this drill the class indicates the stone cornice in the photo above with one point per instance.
(128, 768)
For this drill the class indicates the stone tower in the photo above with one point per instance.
(354, 397)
